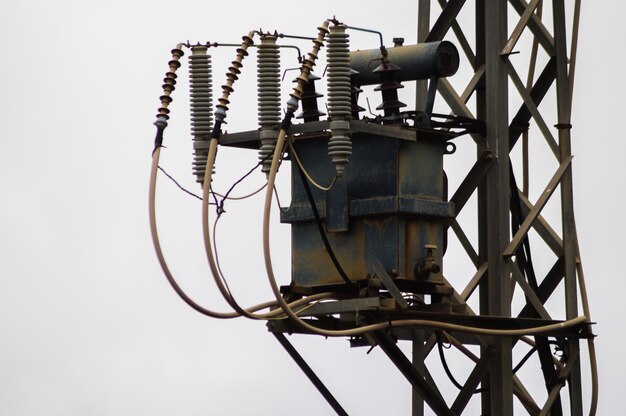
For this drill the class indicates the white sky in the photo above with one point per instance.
(88, 323)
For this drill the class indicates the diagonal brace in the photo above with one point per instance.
(534, 213)
(475, 377)
(429, 393)
(310, 374)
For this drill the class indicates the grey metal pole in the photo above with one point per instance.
(567, 202)
(498, 234)
(421, 88)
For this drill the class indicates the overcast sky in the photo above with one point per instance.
(88, 323)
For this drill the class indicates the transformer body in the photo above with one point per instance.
(393, 194)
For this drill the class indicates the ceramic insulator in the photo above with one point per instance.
(268, 73)
(339, 96)
(201, 108)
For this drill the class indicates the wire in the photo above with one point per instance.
(180, 186)
(240, 198)
(206, 234)
(304, 171)
(593, 361)
(446, 368)
(174, 283)
(320, 228)
(220, 207)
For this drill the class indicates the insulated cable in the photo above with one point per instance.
(161, 124)
(180, 292)
(306, 174)
(220, 115)
(320, 227)
(593, 361)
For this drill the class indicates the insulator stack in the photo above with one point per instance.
(201, 108)
(231, 76)
(389, 89)
(169, 83)
(268, 73)
(307, 66)
(355, 91)
(339, 96)
(310, 111)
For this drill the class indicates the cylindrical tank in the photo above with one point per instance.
(421, 61)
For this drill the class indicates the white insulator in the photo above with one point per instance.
(339, 89)
(268, 74)
(201, 108)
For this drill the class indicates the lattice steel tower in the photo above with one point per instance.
(372, 243)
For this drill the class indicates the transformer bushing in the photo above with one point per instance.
(355, 91)
(268, 72)
(201, 108)
(310, 110)
(389, 88)
(339, 97)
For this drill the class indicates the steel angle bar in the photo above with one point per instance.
(457, 105)
(380, 271)
(574, 48)
(518, 387)
(556, 389)
(563, 104)
(545, 231)
(532, 107)
(474, 282)
(536, 26)
(467, 245)
(429, 392)
(293, 353)
(532, 215)
(471, 85)
(471, 181)
(458, 32)
(531, 297)
(519, 28)
(546, 287)
(445, 20)
(340, 306)
(540, 88)
(480, 369)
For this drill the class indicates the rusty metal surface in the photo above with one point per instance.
(395, 193)
(415, 62)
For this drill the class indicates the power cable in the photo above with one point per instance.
(320, 226)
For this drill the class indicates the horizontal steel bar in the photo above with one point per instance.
(341, 306)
